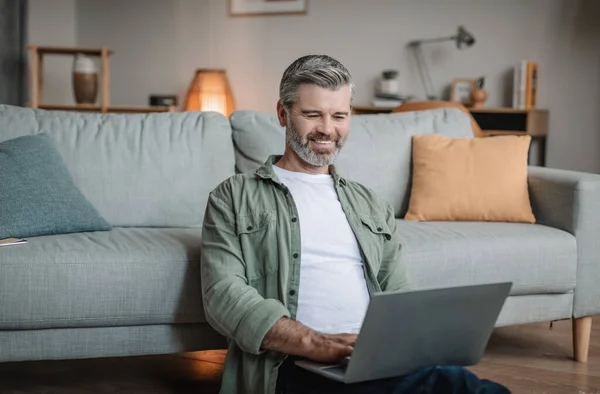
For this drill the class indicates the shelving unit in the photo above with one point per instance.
(509, 121)
(498, 121)
(36, 81)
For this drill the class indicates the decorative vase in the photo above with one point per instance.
(388, 85)
(478, 97)
(85, 80)
(478, 93)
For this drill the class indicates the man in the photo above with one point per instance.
(292, 253)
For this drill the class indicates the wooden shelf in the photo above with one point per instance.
(368, 109)
(36, 80)
(82, 108)
(114, 109)
(502, 110)
(70, 51)
(36, 72)
(495, 133)
(141, 109)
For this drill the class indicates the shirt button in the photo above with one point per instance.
(249, 228)
(292, 292)
(296, 255)
(379, 229)
(388, 237)
(294, 220)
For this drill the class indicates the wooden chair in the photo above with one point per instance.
(425, 105)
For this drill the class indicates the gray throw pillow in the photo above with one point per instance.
(38, 195)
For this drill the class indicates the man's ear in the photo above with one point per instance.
(281, 114)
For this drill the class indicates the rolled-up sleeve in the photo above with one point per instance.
(232, 306)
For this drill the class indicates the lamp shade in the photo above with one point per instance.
(464, 38)
(210, 91)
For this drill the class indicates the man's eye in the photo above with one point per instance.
(312, 116)
(339, 117)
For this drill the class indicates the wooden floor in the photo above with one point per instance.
(526, 359)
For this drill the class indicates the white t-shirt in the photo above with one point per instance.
(333, 295)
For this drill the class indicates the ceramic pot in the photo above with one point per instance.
(85, 80)
(478, 97)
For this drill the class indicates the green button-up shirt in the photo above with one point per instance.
(251, 264)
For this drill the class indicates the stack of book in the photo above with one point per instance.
(388, 100)
(525, 85)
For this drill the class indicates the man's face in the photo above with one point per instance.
(318, 123)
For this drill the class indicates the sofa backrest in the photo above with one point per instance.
(377, 153)
(140, 170)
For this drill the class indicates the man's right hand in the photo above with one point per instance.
(291, 337)
(330, 348)
(346, 339)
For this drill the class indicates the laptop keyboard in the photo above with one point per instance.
(336, 369)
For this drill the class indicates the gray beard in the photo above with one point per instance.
(304, 150)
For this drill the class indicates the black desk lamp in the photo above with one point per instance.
(463, 39)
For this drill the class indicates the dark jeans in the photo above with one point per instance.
(434, 380)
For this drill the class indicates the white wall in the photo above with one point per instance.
(572, 86)
(54, 23)
(150, 39)
(158, 45)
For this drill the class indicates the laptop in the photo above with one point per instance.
(407, 330)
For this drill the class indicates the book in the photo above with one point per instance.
(531, 86)
(12, 241)
(525, 85)
(386, 103)
(516, 86)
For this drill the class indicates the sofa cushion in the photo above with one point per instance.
(37, 193)
(377, 153)
(470, 179)
(139, 170)
(537, 259)
(126, 276)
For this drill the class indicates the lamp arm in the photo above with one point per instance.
(429, 40)
(424, 73)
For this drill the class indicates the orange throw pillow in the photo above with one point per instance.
(474, 179)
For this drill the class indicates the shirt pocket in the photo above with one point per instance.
(257, 235)
(376, 233)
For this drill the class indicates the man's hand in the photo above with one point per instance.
(344, 339)
(329, 348)
(290, 337)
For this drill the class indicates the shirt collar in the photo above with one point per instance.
(266, 171)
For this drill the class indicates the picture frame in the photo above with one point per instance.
(267, 7)
(462, 89)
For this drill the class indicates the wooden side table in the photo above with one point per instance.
(498, 121)
(368, 109)
(509, 121)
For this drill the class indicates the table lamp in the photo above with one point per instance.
(463, 39)
(210, 91)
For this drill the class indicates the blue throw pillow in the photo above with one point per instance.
(38, 195)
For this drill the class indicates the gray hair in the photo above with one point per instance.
(320, 70)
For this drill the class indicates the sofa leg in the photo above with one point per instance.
(582, 330)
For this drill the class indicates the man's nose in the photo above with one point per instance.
(326, 126)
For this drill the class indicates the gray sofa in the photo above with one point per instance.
(136, 289)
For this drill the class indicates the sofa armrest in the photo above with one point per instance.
(570, 201)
